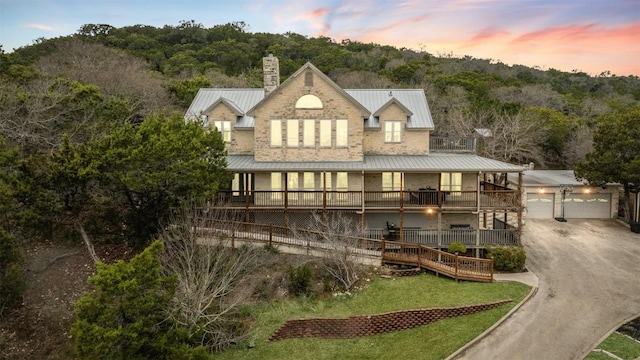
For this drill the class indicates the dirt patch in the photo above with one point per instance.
(56, 277)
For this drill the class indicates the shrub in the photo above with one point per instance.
(271, 249)
(457, 247)
(123, 317)
(11, 273)
(299, 279)
(507, 258)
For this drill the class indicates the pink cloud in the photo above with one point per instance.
(315, 18)
(387, 32)
(40, 27)
(582, 34)
(489, 34)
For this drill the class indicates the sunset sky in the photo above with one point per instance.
(585, 35)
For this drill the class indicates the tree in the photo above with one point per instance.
(115, 72)
(157, 165)
(616, 153)
(211, 276)
(11, 272)
(124, 317)
(36, 114)
(11, 260)
(186, 90)
(514, 139)
(338, 236)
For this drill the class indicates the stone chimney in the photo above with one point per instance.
(271, 69)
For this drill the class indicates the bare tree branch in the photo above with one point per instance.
(339, 235)
(210, 275)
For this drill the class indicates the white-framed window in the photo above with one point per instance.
(235, 184)
(309, 101)
(309, 184)
(342, 181)
(309, 181)
(293, 185)
(224, 127)
(392, 131)
(392, 181)
(451, 181)
(276, 132)
(276, 186)
(309, 133)
(325, 133)
(293, 133)
(342, 133)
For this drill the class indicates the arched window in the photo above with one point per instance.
(309, 102)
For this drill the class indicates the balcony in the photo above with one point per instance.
(494, 198)
(452, 144)
(472, 238)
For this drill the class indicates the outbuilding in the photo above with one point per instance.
(557, 194)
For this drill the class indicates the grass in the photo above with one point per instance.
(433, 341)
(619, 345)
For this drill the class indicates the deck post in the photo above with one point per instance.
(270, 235)
(233, 238)
(419, 260)
(456, 267)
(519, 204)
(491, 266)
(383, 249)
(477, 243)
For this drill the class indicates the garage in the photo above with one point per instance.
(587, 206)
(540, 205)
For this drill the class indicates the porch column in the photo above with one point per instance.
(362, 193)
(520, 205)
(439, 229)
(401, 208)
(478, 190)
(246, 197)
(286, 199)
(362, 217)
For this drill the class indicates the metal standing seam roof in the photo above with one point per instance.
(550, 178)
(244, 99)
(378, 163)
(372, 100)
(413, 99)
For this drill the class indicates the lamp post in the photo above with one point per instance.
(565, 189)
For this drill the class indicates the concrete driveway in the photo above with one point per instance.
(589, 284)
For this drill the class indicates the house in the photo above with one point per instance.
(549, 194)
(309, 145)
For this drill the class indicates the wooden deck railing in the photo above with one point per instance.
(471, 238)
(452, 265)
(457, 267)
(371, 199)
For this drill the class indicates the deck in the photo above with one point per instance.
(390, 252)
(486, 199)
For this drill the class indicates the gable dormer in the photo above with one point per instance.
(310, 80)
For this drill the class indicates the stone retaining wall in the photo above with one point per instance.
(363, 325)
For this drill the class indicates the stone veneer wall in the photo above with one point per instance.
(363, 325)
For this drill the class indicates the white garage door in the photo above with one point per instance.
(539, 206)
(587, 206)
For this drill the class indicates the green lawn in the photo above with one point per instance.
(433, 341)
(619, 345)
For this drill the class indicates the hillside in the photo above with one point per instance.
(162, 68)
